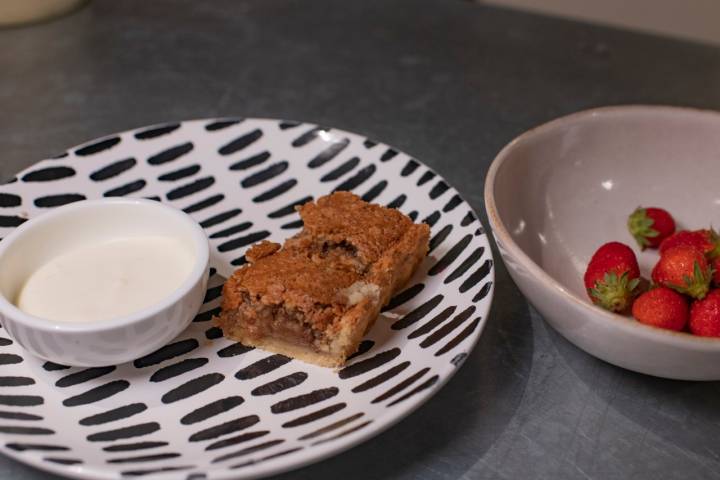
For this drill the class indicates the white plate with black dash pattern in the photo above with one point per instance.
(203, 406)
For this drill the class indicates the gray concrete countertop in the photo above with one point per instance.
(447, 81)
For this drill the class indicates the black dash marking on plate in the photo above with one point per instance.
(276, 191)
(432, 218)
(157, 131)
(364, 347)
(119, 413)
(232, 230)
(129, 447)
(452, 203)
(280, 384)
(21, 400)
(413, 215)
(423, 386)
(180, 173)
(220, 217)
(306, 137)
(63, 461)
(373, 193)
(280, 454)
(220, 124)
(190, 188)
(468, 219)
(398, 202)
(248, 450)
(242, 438)
(264, 175)
(426, 177)
(126, 189)
(212, 271)
(438, 189)
(438, 238)
(459, 338)
(83, 376)
(261, 367)
(97, 147)
(178, 368)
(241, 142)
(250, 162)
(479, 231)
(304, 400)
(340, 170)
(356, 179)
(292, 225)
(331, 427)
(125, 432)
(458, 359)
(24, 447)
(418, 313)
(170, 154)
(446, 329)
(409, 167)
(113, 170)
(211, 409)
(465, 265)
(389, 154)
(150, 471)
(207, 315)
(212, 293)
(10, 200)
(213, 332)
(450, 256)
(19, 430)
(167, 352)
(477, 276)
(240, 242)
(224, 428)
(5, 342)
(192, 387)
(154, 198)
(145, 458)
(430, 325)
(289, 209)
(483, 292)
(50, 201)
(368, 364)
(202, 204)
(16, 381)
(329, 153)
(234, 350)
(381, 378)
(286, 124)
(344, 432)
(367, 143)
(317, 415)
(58, 156)
(404, 296)
(19, 416)
(51, 366)
(401, 386)
(11, 220)
(96, 394)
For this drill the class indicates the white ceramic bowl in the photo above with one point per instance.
(559, 191)
(110, 341)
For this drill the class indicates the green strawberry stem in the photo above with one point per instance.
(696, 286)
(614, 293)
(640, 226)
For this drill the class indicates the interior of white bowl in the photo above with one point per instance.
(567, 187)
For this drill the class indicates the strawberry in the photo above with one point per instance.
(705, 316)
(683, 268)
(650, 226)
(663, 308)
(715, 264)
(705, 240)
(612, 276)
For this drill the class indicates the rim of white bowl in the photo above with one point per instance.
(201, 252)
(499, 229)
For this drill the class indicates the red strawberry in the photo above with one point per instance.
(715, 264)
(706, 241)
(683, 268)
(662, 308)
(650, 226)
(705, 315)
(612, 276)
